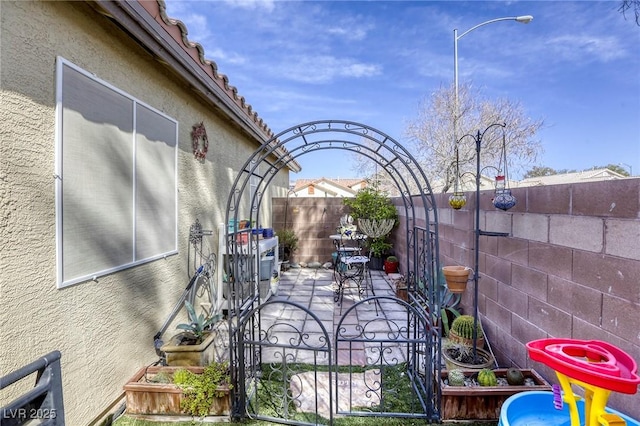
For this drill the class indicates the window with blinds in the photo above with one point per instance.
(116, 178)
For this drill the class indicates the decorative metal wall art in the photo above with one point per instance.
(198, 138)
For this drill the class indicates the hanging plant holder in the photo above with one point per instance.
(503, 199)
(457, 200)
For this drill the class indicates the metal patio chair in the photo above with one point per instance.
(351, 267)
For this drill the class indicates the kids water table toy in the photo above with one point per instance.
(536, 408)
(598, 367)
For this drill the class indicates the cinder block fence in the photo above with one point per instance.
(570, 266)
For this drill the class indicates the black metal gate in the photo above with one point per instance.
(262, 354)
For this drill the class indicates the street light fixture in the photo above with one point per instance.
(524, 19)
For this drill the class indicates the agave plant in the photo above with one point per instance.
(198, 325)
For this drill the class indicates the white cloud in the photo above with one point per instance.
(325, 68)
(587, 47)
(353, 28)
(267, 5)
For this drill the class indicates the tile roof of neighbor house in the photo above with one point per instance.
(132, 12)
(575, 177)
(343, 183)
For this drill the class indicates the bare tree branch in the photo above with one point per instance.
(626, 5)
(432, 133)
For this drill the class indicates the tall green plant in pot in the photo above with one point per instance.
(376, 216)
(288, 243)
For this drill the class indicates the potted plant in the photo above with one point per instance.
(194, 346)
(460, 355)
(456, 277)
(465, 398)
(462, 330)
(401, 289)
(391, 265)
(196, 391)
(376, 216)
(287, 245)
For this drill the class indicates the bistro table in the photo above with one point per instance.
(350, 264)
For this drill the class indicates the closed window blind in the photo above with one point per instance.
(116, 186)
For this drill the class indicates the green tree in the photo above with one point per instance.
(613, 167)
(539, 172)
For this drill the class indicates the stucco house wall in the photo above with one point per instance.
(570, 268)
(103, 328)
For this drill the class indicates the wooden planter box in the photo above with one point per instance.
(483, 402)
(143, 397)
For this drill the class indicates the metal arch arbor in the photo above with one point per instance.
(422, 250)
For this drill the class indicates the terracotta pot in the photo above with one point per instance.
(456, 278)
(485, 360)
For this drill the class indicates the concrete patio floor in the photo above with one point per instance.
(314, 290)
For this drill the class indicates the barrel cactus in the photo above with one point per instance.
(455, 377)
(515, 377)
(487, 377)
(463, 327)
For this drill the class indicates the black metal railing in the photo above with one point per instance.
(42, 403)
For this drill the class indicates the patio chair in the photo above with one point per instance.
(351, 267)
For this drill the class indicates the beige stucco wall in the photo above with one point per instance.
(104, 329)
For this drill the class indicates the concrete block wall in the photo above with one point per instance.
(570, 268)
(313, 220)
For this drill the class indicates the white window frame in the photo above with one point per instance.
(145, 152)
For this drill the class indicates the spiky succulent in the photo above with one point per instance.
(463, 327)
(487, 377)
(455, 377)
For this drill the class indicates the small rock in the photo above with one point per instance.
(314, 265)
(327, 265)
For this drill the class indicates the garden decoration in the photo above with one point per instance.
(457, 200)
(503, 199)
(347, 228)
(198, 135)
(477, 138)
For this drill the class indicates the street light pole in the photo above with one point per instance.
(524, 19)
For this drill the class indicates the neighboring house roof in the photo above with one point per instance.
(166, 39)
(583, 176)
(331, 187)
(344, 184)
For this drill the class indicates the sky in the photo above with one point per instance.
(576, 66)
